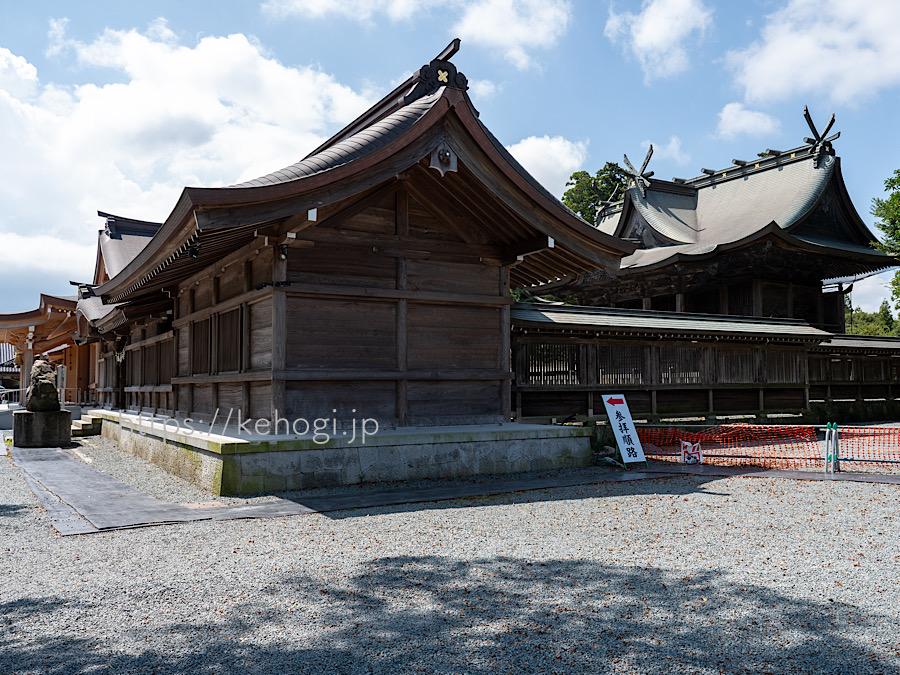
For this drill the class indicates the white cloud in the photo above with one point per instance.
(44, 254)
(550, 160)
(358, 10)
(657, 35)
(18, 78)
(213, 113)
(671, 150)
(482, 89)
(736, 120)
(869, 293)
(844, 50)
(514, 28)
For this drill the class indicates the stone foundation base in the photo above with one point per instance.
(231, 465)
(42, 429)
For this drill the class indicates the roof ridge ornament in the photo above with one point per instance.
(820, 144)
(640, 179)
(436, 74)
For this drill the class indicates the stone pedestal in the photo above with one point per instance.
(42, 429)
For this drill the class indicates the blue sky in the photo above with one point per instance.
(116, 106)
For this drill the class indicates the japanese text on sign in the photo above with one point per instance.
(623, 428)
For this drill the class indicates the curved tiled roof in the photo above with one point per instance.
(608, 221)
(361, 143)
(722, 212)
(725, 209)
(674, 216)
(649, 321)
(119, 250)
(93, 309)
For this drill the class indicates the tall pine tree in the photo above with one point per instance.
(586, 191)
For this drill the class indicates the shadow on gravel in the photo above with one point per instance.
(436, 615)
(668, 485)
(12, 509)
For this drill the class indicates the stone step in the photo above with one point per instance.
(86, 426)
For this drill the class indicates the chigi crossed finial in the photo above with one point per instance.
(641, 179)
(819, 142)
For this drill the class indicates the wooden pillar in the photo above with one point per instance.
(25, 372)
(279, 333)
(505, 328)
(679, 302)
(646, 303)
(723, 299)
(245, 355)
(401, 229)
(119, 383)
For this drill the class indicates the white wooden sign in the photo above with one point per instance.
(623, 428)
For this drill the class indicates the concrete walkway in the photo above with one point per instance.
(83, 500)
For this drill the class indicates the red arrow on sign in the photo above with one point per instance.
(615, 401)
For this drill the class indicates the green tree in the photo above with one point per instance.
(586, 191)
(887, 211)
(881, 322)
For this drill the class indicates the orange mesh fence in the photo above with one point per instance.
(874, 449)
(770, 446)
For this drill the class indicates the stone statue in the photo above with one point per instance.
(42, 424)
(41, 395)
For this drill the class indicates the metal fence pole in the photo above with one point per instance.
(837, 449)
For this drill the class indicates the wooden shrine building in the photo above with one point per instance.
(727, 306)
(759, 238)
(43, 329)
(370, 279)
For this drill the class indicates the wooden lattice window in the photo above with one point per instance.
(200, 347)
(620, 365)
(873, 370)
(818, 369)
(784, 367)
(736, 366)
(842, 370)
(680, 365)
(552, 364)
(228, 345)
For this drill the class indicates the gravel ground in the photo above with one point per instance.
(684, 574)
